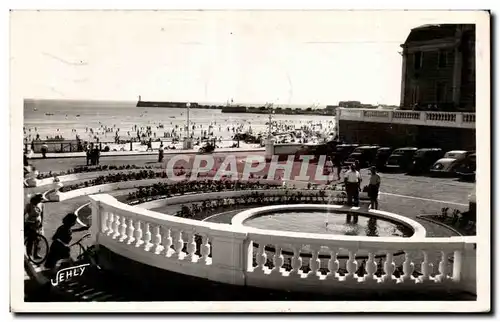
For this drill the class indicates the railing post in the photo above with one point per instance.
(468, 276)
(391, 114)
(96, 219)
(423, 117)
(229, 251)
(130, 145)
(460, 118)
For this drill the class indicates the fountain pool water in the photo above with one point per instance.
(328, 222)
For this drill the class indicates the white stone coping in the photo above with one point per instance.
(419, 231)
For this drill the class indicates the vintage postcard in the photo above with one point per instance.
(250, 161)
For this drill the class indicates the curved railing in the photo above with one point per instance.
(225, 253)
(429, 118)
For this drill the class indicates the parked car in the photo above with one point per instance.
(450, 162)
(342, 151)
(467, 170)
(400, 159)
(381, 157)
(364, 155)
(423, 159)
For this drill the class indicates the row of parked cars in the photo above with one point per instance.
(411, 160)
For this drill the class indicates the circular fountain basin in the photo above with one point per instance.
(349, 223)
(336, 223)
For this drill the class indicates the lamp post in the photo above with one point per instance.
(187, 144)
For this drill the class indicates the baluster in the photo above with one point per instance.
(278, 260)
(179, 244)
(205, 249)
(296, 262)
(371, 269)
(111, 218)
(443, 268)
(130, 231)
(104, 222)
(138, 234)
(389, 268)
(426, 268)
(116, 227)
(123, 230)
(191, 246)
(157, 240)
(333, 264)
(352, 266)
(408, 268)
(261, 258)
(167, 240)
(147, 237)
(314, 263)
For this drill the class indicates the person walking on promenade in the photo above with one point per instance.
(373, 188)
(89, 154)
(96, 154)
(33, 224)
(44, 150)
(150, 145)
(160, 153)
(338, 165)
(352, 184)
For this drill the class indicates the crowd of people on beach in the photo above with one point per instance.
(221, 130)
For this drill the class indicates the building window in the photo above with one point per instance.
(440, 92)
(418, 59)
(442, 59)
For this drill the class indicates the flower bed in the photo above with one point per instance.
(117, 177)
(165, 190)
(463, 222)
(201, 210)
(87, 169)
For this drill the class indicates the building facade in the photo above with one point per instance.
(439, 71)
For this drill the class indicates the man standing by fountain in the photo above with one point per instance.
(352, 181)
(373, 188)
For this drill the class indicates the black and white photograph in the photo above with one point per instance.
(250, 160)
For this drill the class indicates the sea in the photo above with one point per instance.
(67, 118)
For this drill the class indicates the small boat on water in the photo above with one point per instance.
(49, 114)
(35, 109)
(77, 115)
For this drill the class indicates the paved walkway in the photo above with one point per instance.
(138, 153)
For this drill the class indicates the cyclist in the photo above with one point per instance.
(33, 224)
(60, 249)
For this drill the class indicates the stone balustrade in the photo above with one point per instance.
(444, 119)
(240, 255)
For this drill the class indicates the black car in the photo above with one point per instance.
(381, 157)
(343, 151)
(400, 159)
(364, 155)
(467, 171)
(423, 159)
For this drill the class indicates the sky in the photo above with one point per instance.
(293, 57)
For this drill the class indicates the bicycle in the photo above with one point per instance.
(40, 242)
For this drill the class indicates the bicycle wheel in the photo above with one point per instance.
(42, 245)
